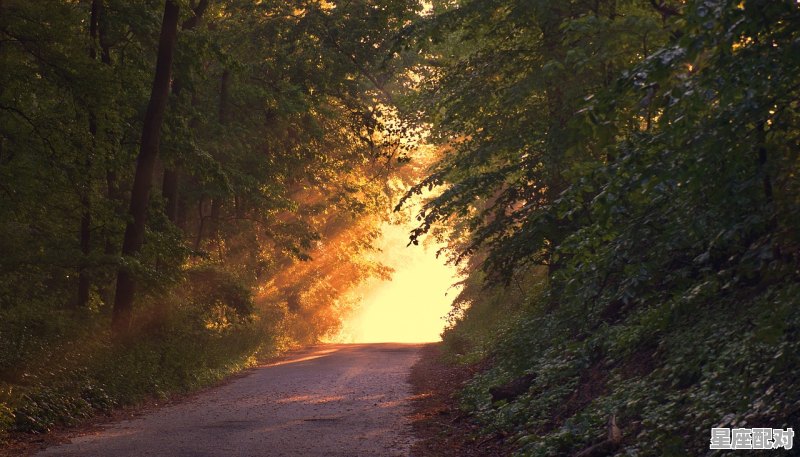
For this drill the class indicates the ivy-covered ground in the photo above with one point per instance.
(667, 374)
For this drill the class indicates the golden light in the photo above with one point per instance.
(409, 308)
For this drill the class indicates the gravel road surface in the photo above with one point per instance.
(332, 401)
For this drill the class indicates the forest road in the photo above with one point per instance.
(330, 400)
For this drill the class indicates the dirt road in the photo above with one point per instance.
(333, 400)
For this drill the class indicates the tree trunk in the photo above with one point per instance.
(216, 203)
(171, 184)
(84, 282)
(148, 152)
(169, 191)
(85, 232)
(762, 162)
(111, 246)
(216, 207)
(199, 239)
(224, 95)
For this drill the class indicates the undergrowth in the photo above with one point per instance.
(60, 368)
(667, 373)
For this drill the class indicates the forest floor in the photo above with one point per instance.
(330, 400)
(441, 429)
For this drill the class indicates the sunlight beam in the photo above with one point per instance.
(410, 308)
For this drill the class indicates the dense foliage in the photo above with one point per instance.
(618, 178)
(210, 173)
(625, 173)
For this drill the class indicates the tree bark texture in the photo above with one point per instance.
(148, 152)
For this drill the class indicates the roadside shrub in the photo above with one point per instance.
(59, 368)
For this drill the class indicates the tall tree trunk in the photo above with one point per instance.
(112, 186)
(216, 207)
(171, 180)
(216, 203)
(224, 95)
(84, 282)
(113, 194)
(85, 232)
(171, 183)
(148, 152)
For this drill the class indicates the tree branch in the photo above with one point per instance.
(666, 11)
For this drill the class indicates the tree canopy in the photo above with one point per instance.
(617, 178)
